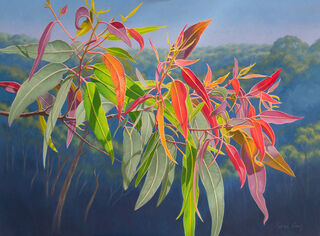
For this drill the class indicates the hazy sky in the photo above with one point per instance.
(234, 21)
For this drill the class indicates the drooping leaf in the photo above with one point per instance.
(148, 120)
(85, 28)
(140, 78)
(43, 81)
(54, 113)
(154, 177)
(257, 136)
(166, 182)
(237, 162)
(178, 96)
(267, 128)
(132, 150)
(213, 184)
(256, 181)
(274, 159)
(43, 125)
(265, 84)
(191, 38)
(195, 83)
(160, 121)
(278, 117)
(41, 47)
(137, 36)
(10, 87)
(119, 30)
(81, 12)
(56, 51)
(147, 157)
(97, 119)
(119, 52)
(118, 78)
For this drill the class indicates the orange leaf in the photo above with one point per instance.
(118, 78)
(236, 85)
(257, 137)
(179, 96)
(207, 80)
(160, 122)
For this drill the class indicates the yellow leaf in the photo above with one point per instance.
(160, 120)
(219, 80)
(85, 28)
(245, 70)
(43, 125)
(133, 11)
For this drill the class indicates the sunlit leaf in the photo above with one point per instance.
(119, 30)
(265, 84)
(119, 52)
(85, 28)
(137, 36)
(97, 119)
(141, 30)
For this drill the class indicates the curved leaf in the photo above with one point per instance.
(264, 84)
(97, 119)
(137, 36)
(119, 52)
(141, 30)
(41, 47)
(43, 81)
(10, 87)
(132, 150)
(81, 12)
(54, 113)
(118, 78)
(213, 184)
(178, 96)
(119, 30)
(154, 177)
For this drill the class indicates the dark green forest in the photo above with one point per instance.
(28, 193)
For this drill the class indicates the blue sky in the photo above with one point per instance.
(234, 21)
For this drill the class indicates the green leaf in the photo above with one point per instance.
(148, 120)
(106, 88)
(213, 184)
(166, 182)
(81, 114)
(44, 80)
(147, 157)
(132, 150)
(154, 177)
(141, 30)
(97, 119)
(220, 91)
(54, 114)
(196, 111)
(57, 51)
(119, 52)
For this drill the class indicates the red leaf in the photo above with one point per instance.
(64, 10)
(257, 136)
(236, 85)
(179, 96)
(137, 36)
(237, 162)
(278, 117)
(264, 84)
(266, 97)
(208, 78)
(137, 102)
(256, 181)
(118, 78)
(180, 37)
(191, 38)
(10, 87)
(81, 12)
(270, 90)
(196, 84)
(119, 30)
(252, 111)
(42, 46)
(182, 63)
(267, 128)
(155, 50)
